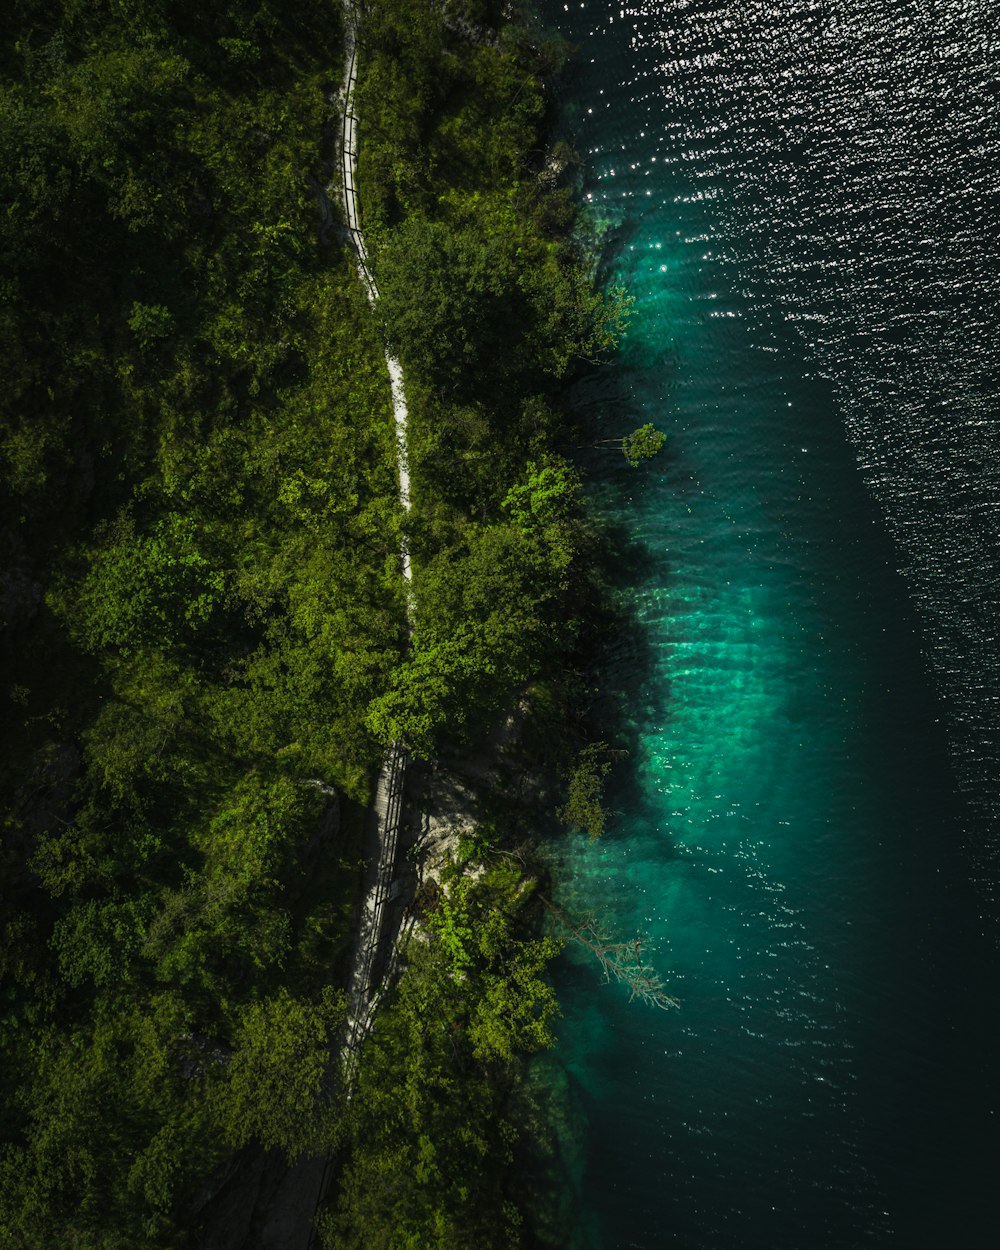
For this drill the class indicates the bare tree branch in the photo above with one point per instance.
(620, 961)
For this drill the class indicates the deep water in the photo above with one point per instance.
(803, 200)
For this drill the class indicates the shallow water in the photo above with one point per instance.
(802, 199)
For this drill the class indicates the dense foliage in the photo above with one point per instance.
(200, 600)
(204, 625)
(488, 303)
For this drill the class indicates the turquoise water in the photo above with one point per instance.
(802, 830)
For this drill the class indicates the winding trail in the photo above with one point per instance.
(375, 948)
(372, 936)
(348, 166)
(284, 1218)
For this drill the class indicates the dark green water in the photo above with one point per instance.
(805, 832)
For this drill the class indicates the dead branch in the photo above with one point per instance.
(620, 961)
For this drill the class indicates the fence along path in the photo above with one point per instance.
(352, 214)
(388, 800)
(367, 976)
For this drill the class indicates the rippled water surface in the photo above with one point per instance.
(804, 200)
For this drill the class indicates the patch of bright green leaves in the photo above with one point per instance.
(643, 444)
(430, 1142)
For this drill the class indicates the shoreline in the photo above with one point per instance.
(468, 865)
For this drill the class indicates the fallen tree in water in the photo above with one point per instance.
(620, 961)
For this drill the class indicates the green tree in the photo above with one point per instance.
(150, 323)
(445, 298)
(277, 1086)
(584, 808)
(151, 589)
(546, 494)
(113, 1133)
(643, 444)
(429, 1151)
(515, 1004)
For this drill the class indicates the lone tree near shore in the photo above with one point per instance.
(584, 807)
(643, 444)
